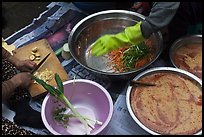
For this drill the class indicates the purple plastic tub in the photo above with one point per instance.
(89, 98)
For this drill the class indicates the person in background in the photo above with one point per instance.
(15, 94)
(93, 7)
(176, 16)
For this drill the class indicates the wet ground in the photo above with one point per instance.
(20, 14)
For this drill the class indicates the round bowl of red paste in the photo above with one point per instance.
(186, 54)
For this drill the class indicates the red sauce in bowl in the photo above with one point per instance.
(173, 106)
(189, 58)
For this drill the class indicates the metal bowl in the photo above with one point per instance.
(176, 71)
(180, 43)
(92, 27)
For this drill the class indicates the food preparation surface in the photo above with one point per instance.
(55, 25)
(52, 64)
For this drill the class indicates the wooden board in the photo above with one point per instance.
(52, 63)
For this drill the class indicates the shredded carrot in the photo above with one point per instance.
(141, 62)
(115, 58)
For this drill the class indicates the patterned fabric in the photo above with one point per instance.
(8, 127)
(8, 71)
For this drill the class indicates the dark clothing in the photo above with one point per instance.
(93, 7)
(176, 16)
(8, 71)
(8, 127)
(159, 17)
(189, 13)
(19, 103)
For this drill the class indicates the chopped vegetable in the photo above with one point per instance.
(46, 75)
(133, 54)
(37, 54)
(57, 52)
(33, 53)
(131, 57)
(34, 49)
(32, 57)
(116, 59)
(37, 58)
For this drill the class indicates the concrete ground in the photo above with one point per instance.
(20, 14)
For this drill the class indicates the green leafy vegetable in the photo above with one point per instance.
(59, 83)
(63, 118)
(133, 54)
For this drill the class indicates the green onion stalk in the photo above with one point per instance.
(133, 54)
(59, 116)
(58, 93)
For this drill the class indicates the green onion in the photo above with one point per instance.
(57, 52)
(133, 54)
(59, 95)
(59, 83)
(64, 118)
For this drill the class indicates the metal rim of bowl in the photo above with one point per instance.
(178, 43)
(153, 70)
(53, 131)
(106, 12)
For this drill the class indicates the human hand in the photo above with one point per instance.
(22, 79)
(137, 6)
(25, 65)
(131, 36)
(141, 7)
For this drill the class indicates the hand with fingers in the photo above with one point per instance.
(130, 36)
(25, 65)
(22, 80)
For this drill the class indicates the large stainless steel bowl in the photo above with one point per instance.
(92, 27)
(130, 90)
(196, 41)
